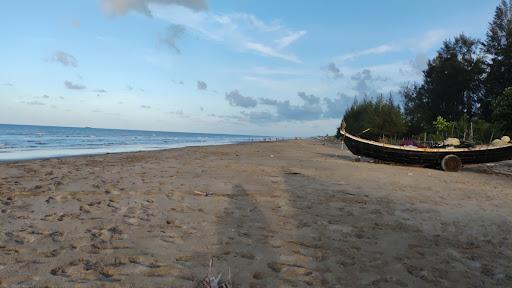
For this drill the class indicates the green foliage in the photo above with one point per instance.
(443, 128)
(484, 132)
(381, 117)
(417, 111)
(451, 85)
(460, 128)
(498, 47)
(502, 107)
(467, 84)
(441, 124)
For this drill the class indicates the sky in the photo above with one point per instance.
(280, 68)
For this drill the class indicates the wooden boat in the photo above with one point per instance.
(449, 159)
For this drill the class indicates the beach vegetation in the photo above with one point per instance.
(465, 89)
(375, 118)
(502, 109)
(465, 92)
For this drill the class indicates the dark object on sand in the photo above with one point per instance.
(449, 159)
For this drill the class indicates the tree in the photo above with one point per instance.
(417, 111)
(498, 46)
(502, 107)
(452, 83)
(381, 116)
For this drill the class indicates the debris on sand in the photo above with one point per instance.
(211, 281)
(205, 194)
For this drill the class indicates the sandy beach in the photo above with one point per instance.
(281, 214)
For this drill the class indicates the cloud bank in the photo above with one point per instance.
(311, 108)
(236, 99)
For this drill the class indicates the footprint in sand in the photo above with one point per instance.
(21, 237)
(84, 270)
(107, 239)
(171, 237)
(52, 253)
(295, 271)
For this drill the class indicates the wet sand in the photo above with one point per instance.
(281, 214)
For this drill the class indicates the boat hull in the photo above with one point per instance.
(424, 157)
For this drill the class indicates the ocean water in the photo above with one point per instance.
(20, 142)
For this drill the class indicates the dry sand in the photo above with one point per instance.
(282, 214)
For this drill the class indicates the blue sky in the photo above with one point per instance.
(287, 68)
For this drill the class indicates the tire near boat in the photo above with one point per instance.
(451, 163)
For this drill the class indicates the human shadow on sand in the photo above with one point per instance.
(243, 235)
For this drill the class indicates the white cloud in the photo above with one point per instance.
(64, 58)
(239, 31)
(272, 71)
(269, 51)
(420, 62)
(382, 49)
(290, 38)
(430, 40)
(421, 45)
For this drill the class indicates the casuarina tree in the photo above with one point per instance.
(452, 83)
(498, 46)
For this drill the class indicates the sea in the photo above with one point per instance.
(23, 142)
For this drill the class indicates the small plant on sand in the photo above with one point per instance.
(442, 126)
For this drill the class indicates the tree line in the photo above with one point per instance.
(469, 81)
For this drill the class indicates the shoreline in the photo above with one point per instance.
(30, 142)
(277, 214)
(2, 161)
